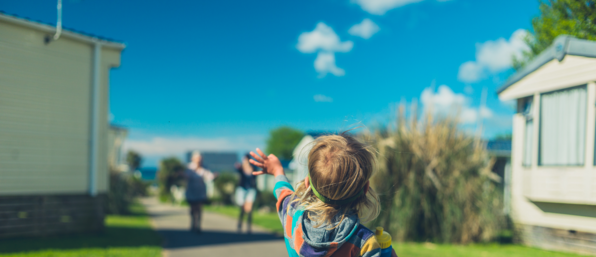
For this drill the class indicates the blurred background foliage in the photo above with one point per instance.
(134, 160)
(265, 201)
(225, 184)
(124, 188)
(559, 17)
(435, 182)
(168, 175)
(282, 142)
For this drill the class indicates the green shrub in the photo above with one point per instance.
(123, 189)
(169, 174)
(225, 184)
(435, 182)
(265, 199)
(138, 186)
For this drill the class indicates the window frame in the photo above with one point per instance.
(526, 112)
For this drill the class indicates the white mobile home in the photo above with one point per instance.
(553, 185)
(53, 128)
(116, 137)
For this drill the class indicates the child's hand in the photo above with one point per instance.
(270, 164)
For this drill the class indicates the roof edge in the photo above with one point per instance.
(65, 32)
(561, 46)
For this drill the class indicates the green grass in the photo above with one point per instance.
(271, 221)
(479, 250)
(129, 235)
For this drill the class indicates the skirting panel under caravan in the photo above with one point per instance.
(559, 239)
(45, 215)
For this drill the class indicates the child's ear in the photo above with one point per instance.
(366, 187)
(306, 182)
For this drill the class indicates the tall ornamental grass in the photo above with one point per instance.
(435, 182)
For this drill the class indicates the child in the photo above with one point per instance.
(246, 191)
(322, 217)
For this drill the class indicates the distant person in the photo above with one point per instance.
(246, 191)
(322, 217)
(196, 189)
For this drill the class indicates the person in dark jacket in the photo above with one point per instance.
(196, 189)
(246, 191)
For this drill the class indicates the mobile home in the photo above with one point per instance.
(553, 180)
(53, 128)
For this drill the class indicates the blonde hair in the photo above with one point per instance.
(339, 167)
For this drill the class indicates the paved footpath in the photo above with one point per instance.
(219, 237)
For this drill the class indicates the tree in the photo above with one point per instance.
(169, 175)
(282, 141)
(559, 17)
(134, 160)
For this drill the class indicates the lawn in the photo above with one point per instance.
(480, 250)
(129, 235)
(271, 221)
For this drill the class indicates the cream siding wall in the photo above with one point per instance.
(45, 93)
(109, 58)
(558, 197)
(536, 212)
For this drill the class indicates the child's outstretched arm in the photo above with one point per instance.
(282, 189)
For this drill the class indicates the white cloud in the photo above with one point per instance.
(446, 102)
(324, 41)
(364, 29)
(155, 148)
(173, 145)
(470, 72)
(468, 116)
(485, 112)
(493, 57)
(322, 98)
(325, 63)
(497, 55)
(444, 98)
(379, 7)
(322, 38)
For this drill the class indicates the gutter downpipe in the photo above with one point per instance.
(59, 20)
(94, 120)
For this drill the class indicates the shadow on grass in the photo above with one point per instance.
(111, 237)
(185, 238)
(131, 230)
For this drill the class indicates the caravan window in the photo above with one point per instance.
(563, 127)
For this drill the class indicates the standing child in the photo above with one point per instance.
(323, 216)
(246, 192)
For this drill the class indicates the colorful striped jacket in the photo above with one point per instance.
(302, 238)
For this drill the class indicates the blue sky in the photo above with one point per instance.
(219, 75)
